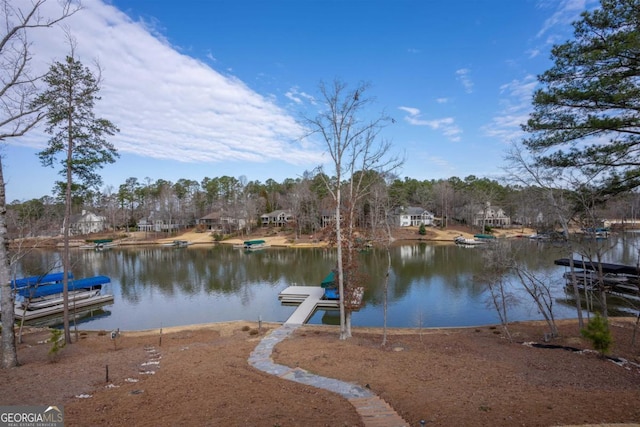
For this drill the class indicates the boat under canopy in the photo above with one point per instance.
(330, 286)
(57, 288)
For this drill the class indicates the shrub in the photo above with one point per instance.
(597, 331)
(57, 343)
(422, 230)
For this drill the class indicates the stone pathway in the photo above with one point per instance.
(374, 411)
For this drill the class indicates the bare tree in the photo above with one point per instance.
(353, 146)
(550, 181)
(443, 194)
(540, 290)
(497, 262)
(18, 86)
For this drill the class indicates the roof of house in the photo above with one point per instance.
(81, 216)
(413, 210)
(277, 213)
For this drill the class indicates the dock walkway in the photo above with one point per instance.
(373, 411)
(309, 298)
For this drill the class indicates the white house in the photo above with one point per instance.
(86, 223)
(157, 225)
(491, 216)
(414, 217)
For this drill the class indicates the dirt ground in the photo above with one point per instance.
(447, 377)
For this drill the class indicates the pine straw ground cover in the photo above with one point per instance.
(447, 377)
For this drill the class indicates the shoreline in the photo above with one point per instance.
(282, 240)
(275, 239)
(375, 330)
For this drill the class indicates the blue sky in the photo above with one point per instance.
(211, 88)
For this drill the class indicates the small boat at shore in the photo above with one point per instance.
(178, 244)
(463, 241)
(99, 244)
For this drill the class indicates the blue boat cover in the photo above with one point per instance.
(39, 280)
(331, 293)
(56, 288)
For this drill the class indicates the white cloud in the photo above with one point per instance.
(410, 110)
(533, 53)
(445, 125)
(516, 106)
(441, 162)
(299, 97)
(463, 77)
(166, 104)
(442, 100)
(566, 11)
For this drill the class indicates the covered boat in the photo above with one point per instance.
(330, 286)
(41, 300)
(254, 244)
(45, 290)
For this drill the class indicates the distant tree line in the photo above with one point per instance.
(453, 201)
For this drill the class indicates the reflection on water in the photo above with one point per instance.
(430, 284)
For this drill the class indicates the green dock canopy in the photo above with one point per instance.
(329, 281)
(254, 242)
(102, 241)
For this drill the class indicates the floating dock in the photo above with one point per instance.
(26, 315)
(310, 298)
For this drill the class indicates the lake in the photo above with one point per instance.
(430, 285)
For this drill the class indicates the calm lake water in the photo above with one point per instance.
(431, 285)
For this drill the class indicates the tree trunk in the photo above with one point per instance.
(343, 330)
(385, 301)
(66, 264)
(576, 292)
(9, 353)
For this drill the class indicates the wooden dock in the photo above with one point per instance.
(310, 298)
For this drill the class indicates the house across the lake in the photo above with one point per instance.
(219, 220)
(278, 218)
(86, 223)
(491, 216)
(414, 216)
(157, 225)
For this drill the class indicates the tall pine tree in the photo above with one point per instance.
(78, 141)
(586, 115)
